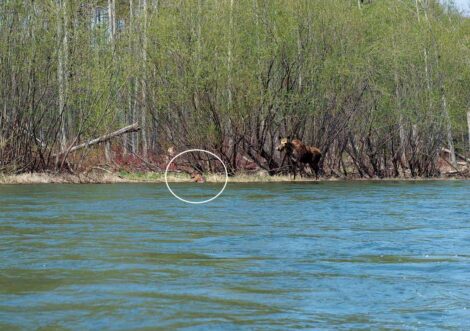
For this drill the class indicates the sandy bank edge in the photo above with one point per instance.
(153, 177)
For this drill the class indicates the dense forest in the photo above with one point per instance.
(381, 87)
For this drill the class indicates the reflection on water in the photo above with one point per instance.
(313, 255)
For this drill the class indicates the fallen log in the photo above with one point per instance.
(130, 128)
(462, 157)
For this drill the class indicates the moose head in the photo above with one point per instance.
(284, 143)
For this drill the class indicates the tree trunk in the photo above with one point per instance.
(130, 128)
(144, 82)
(112, 19)
(229, 125)
(450, 140)
(112, 32)
(299, 54)
(132, 82)
(155, 5)
(468, 124)
(229, 65)
(442, 89)
(401, 130)
(107, 152)
(61, 66)
(417, 10)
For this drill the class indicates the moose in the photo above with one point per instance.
(197, 177)
(300, 154)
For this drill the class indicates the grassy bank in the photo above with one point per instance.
(159, 177)
(135, 177)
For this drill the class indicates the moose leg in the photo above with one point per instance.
(315, 168)
(293, 166)
(290, 168)
(302, 169)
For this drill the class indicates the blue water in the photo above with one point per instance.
(390, 255)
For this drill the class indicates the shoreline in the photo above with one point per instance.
(158, 177)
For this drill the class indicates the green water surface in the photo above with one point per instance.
(389, 255)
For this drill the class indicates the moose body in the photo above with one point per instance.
(300, 154)
(197, 178)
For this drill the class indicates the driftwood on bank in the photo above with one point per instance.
(460, 156)
(130, 128)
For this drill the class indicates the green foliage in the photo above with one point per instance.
(210, 73)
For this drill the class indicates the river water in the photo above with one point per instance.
(261, 256)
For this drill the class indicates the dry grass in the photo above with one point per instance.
(45, 178)
(158, 177)
(155, 177)
(147, 177)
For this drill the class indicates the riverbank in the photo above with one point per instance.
(159, 177)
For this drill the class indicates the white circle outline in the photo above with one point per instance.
(189, 151)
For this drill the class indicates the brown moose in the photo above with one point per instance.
(299, 155)
(197, 177)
